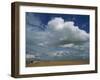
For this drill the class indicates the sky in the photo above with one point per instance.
(82, 21)
(57, 36)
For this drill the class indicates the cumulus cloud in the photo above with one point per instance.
(60, 38)
(66, 30)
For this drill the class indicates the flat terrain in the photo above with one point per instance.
(57, 63)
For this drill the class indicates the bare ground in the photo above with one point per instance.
(57, 63)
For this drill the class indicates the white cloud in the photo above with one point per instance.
(56, 24)
(57, 53)
(28, 56)
(66, 30)
(41, 44)
(67, 45)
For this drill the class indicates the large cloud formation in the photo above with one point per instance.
(67, 31)
(60, 38)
